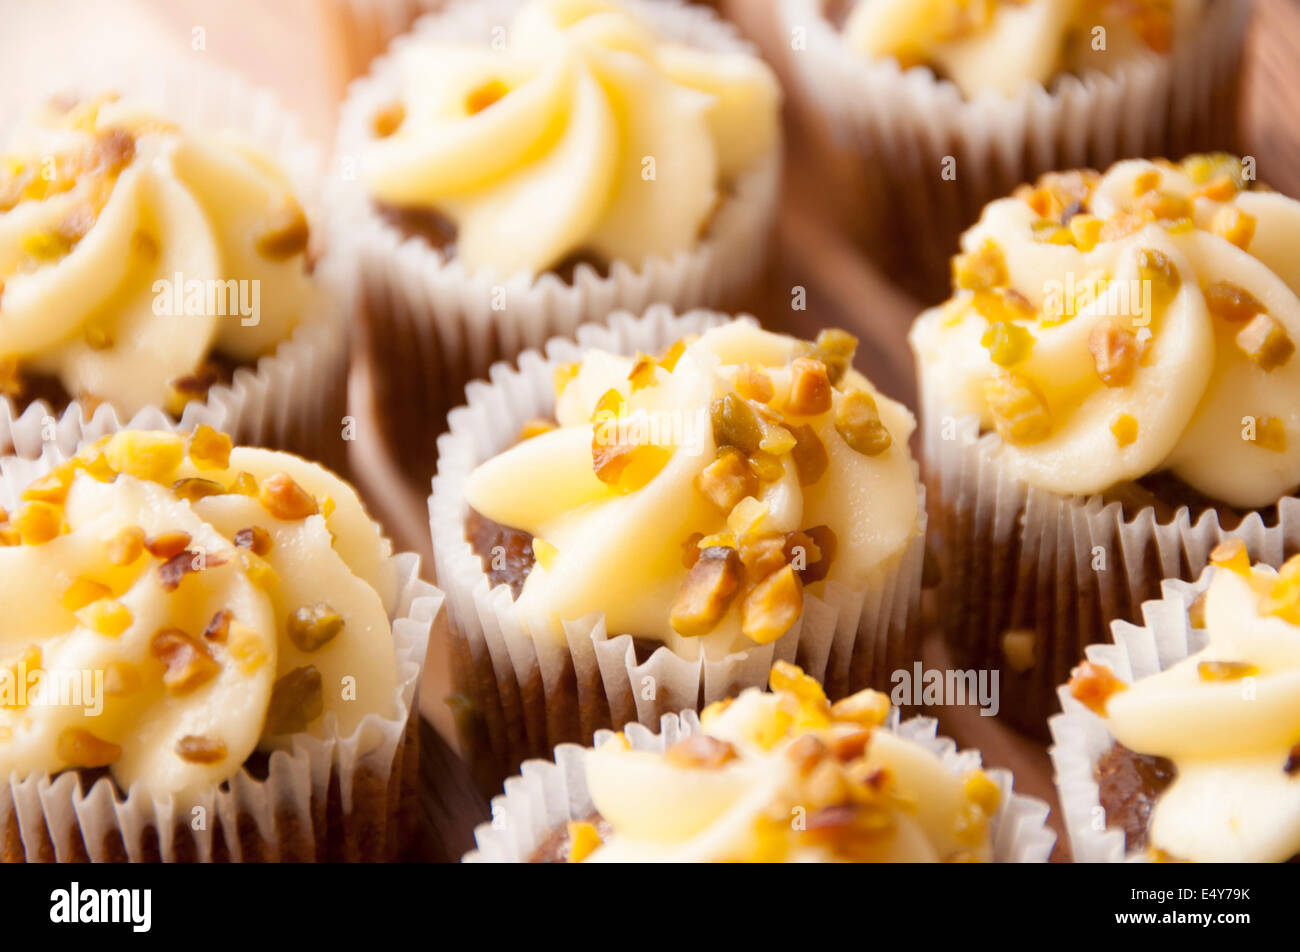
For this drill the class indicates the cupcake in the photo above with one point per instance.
(525, 167)
(1109, 391)
(210, 654)
(785, 777)
(1179, 741)
(644, 521)
(944, 105)
(155, 257)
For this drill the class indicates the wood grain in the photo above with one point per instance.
(300, 48)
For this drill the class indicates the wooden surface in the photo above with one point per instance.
(299, 48)
(846, 290)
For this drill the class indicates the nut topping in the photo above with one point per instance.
(810, 388)
(857, 420)
(254, 538)
(312, 627)
(286, 500)
(727, 480)
(1265, 342)
(1115, 352)
(700, 751)
(772, 607)
(286, 234)
(80, 748)
(1019, 410)
(198, 749)
(707, 592)
(1094, 685)
(189, 665)
(297, 699)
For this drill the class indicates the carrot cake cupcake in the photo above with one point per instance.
(944, 105)
(644, 521)
(156, 259)
(1110, 390)
(1184, 736)
(208, 653)
(523, 167)
(781, 777)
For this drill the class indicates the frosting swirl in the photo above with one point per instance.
(1114, 326)
(694, 497)
(205, 601)
(586, 134)
(1228, 716)
(787, 777)
(1000, 45)
(131, 250)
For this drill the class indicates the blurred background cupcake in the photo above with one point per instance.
(521, 168)
(158, 249)
(642, 522)
(768, 777)
(1178, 742)
(195, 631)
(1110, 390)
(944, 105)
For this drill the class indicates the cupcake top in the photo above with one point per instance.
(585, 135)
(134, 251)
(1115, 326)
(173, 605)
(1000, 45)
(1228, 717)
(694, 496)
(786, 777)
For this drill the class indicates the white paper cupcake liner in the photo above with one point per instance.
(1081, 736)
(431, 324)
(535, 689)
(327, 797)
(1016, 557)
(295, 398)
(548, 794)
(904, 124)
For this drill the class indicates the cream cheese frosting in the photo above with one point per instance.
(1110, 327)
(1228, 717)
(209, 602)
(787, 777)
(694, 497)
(132, 249)
(586, 134)
(1001, 45)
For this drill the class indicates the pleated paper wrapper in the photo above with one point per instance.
(295, 397)
(550, 793)
(901, 130)
(432, 325)
(533, 684)
(1080, 736)
(1054, 570)
(325, 797)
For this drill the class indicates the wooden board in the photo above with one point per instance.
(845, 289)
(299, 48)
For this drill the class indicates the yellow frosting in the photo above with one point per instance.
(1228, 717)
(116, 570)
(131, 249)
(629, 488)
(1000, 45)
(586, 133)
(789, 778)
(637, 481)
(1152, 331)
